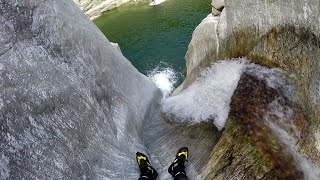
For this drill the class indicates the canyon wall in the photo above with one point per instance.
(275, 34)
(70, 103)
(95, 8)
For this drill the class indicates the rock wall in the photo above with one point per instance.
(71, 105)
(275, 34)
(94, 8)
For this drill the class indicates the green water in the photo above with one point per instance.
(153, 36)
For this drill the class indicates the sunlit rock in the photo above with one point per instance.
(204, 41)
(217, 7)
(95, 8)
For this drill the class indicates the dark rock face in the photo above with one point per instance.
(265, 124)
(254, 101)
(70, 104)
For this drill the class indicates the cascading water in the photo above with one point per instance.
(282, 129)
(280, 117)
(209, 97)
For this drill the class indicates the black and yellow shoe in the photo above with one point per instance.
(177, 167)
(146, 170)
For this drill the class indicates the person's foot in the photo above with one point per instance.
(146, 170)
(177, 167)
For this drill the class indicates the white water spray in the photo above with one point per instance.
(280, 117)
(165, 79)
(284, 115)
(209, 97)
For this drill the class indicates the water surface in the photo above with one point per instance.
(153, 36)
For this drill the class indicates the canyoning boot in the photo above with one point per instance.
(176, 169)
(146, 170)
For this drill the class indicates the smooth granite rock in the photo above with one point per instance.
(95, 8)
(204, 40)
(71, 105)
(217, 7)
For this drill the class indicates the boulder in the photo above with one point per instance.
(250, 147)
(205, 40)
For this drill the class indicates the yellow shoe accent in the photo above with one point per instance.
(141, 157)
(184, 153)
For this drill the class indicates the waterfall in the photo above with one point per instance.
(209, 97)
(280, 117)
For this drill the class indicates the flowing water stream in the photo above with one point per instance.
(209, 98)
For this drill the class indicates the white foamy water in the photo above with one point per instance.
(280, 117)
(281, 128)
(165, 79)
(156, 2)
(209, 97)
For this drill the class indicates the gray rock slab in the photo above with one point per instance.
(71, 105)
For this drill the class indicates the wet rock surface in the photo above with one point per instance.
(252, 101)
(72, 107)
(249, 146)
(277, 34)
